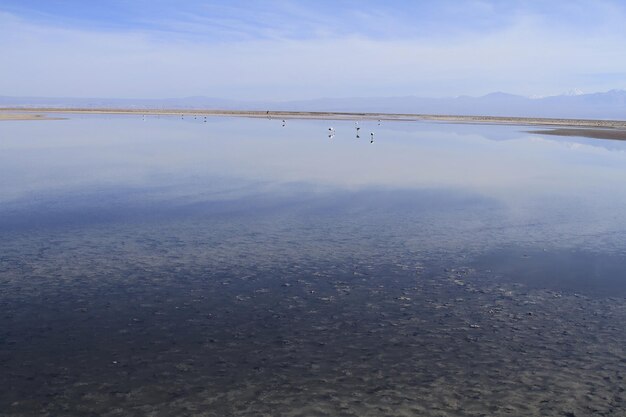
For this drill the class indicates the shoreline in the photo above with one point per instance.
(597, 133)
(4, 116)
(532, 121)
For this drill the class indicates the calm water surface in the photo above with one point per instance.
(175, 266)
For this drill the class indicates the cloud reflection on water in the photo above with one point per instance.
(124, 151)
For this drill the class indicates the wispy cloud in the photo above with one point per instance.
(288, 50)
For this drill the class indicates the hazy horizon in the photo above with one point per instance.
(569, 93)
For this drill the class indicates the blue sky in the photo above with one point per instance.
(281, 50)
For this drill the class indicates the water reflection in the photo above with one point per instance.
(247, 266)
(413, 155)
(548, 192)
(554, 192)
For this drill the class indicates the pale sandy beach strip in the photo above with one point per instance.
(25, 116)
(533, 121)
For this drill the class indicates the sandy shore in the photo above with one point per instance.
(615, 134)
(25, 116)
(532, 121)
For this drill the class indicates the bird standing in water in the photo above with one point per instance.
(371, 137)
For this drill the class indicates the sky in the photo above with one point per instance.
(289, 50)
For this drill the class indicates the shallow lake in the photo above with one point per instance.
(168, 265)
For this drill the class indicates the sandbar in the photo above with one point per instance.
(614, 134)
(25, 116)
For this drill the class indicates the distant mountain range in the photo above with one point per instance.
(605, 105)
